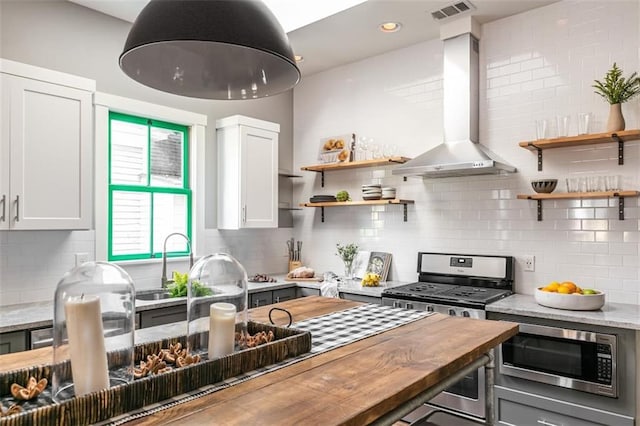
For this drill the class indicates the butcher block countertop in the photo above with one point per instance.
(353, 384)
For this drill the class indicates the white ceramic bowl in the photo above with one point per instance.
(574, 302)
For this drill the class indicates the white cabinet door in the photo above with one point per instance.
(4, 154)
(247, 173)
(49, 128)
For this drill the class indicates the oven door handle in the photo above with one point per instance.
(546, 423)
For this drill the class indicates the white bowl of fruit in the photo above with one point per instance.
(567, 295)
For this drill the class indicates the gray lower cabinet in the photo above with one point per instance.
(304, 292)
(263, 298)
(514, 407)
(260, 299)
(163, 316)
(361, 298)
(284, 294)
(15, 341)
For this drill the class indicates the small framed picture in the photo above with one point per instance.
(337, 149)
(379, 263)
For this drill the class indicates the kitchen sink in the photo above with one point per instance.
(153, 295)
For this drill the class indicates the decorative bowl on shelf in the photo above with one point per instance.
(545, 186)
(330, 156)
(573, 302)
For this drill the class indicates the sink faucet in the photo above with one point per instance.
(165, 281)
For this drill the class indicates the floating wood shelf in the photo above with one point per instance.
(580, 140)
(321, 168)
(620, 195)
(359, 203)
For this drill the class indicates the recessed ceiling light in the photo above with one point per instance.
(299, 58)
(390, 27)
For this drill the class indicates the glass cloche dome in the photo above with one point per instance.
(93, 330)
(216, 305)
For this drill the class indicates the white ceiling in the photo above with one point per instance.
(352, 34)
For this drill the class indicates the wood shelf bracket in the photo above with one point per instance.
(322, 214)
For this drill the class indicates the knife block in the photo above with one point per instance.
(293, 264)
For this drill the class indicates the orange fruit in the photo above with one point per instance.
(563, 289)
(569, 285)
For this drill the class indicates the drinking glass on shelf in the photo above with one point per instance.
(542, 129)
(389, 150)
(584, 123)
(375, 151)
(364, 146)
(612, 183)
(573, 184)
(563, 125)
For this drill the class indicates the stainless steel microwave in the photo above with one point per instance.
(581, 360)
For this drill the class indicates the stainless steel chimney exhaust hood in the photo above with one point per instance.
(460, 154)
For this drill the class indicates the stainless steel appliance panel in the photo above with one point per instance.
(574, 359)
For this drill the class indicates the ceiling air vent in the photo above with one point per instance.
(452, 9)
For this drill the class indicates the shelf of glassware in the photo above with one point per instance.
(321, 168)
(620, 195)
(581, 140)
(404, 203)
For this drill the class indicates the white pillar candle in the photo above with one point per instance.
(222, 328)
(89, 366)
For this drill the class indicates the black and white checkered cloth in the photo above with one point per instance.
(328, 332)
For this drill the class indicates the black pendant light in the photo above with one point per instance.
(211, 49)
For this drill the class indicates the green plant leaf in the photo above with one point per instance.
(616, 89)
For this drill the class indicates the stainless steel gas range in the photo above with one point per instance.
(458, 285)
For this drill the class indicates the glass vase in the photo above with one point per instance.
(348, 269)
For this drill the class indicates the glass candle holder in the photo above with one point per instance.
(216, 306)
(93, 330)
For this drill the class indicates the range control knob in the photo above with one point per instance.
(409, 306)
(452, 312)
(466, 314)
(429, 308)
(397, 304)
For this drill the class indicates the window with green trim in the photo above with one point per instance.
(149, 194)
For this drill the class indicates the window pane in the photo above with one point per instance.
(128, 153)
(166, 158)
(169, 215)
(131, 223)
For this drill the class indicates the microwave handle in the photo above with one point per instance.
(561, 333)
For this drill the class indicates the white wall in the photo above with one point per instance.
(66, 37)
(533, 65)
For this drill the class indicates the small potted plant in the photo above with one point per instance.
(617, 90)
(347, 253)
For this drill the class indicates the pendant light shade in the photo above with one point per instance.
(211, 49)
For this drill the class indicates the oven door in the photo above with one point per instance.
(574, 359)
(466, 396)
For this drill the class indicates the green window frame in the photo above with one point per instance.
(146, 188)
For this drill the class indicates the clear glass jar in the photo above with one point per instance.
(216, 305)
(93, 330)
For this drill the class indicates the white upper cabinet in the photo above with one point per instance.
(45, 148)
(247, 173)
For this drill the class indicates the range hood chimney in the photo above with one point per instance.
(460, 154)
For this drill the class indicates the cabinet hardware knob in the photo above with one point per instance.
(4, 203)
(17, 208)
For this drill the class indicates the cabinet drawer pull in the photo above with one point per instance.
(244, 214)
(4, 207)
(17, 208)
(543, 422)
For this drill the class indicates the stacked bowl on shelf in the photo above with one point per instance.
(388, 193)
(371, 192)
